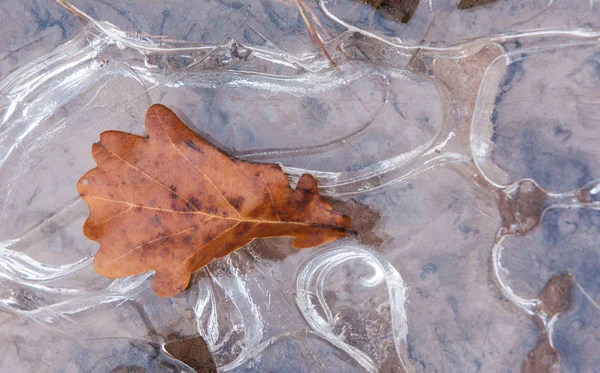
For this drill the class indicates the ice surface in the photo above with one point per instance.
(463, 143)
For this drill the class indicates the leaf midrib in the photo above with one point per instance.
(197, 212)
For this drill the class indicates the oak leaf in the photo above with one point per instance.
(172, 202)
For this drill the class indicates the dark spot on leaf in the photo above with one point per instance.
(190, 144)
(145, 252)
(242, 230)
(236, 202)
(194, 202)
(155, 221)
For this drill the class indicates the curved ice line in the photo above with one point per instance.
(146, 44)
(329, 182)
(396, 169)
(361, 179)
(149, 45)
(129, 39)
(313, 149)
(262, 346)
(19, 84)
(527, 305)
(310, 282)
(20, 267)
(118, 290)
(462, 48)
(479, 146)
(236, 291)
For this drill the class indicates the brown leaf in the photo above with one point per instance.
(172, 202)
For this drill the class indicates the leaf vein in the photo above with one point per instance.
(112, 217)
(149, 177)
(259, 221)
(156, 239)
(206, 244)
(196, 167)
(270, 196)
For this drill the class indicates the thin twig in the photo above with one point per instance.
(317, 38)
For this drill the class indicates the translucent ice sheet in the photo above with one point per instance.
(463, 143)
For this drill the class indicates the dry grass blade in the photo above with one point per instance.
(316, 36)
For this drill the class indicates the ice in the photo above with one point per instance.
(463, 143)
